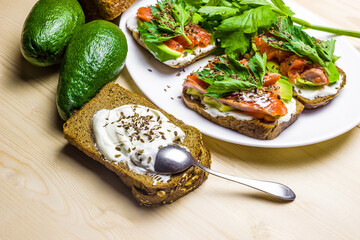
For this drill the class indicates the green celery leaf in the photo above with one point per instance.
(282, 7)
(212, 3)
(215, 12)
(235, 43)
(326, 49)
(226, 3)
(298, 41)
(240, 69)
(182, 15)
(257, 65)
(254, 2)
(163, 21)
(162, 3)
(155, 11)
(278, 6)
(222, 66)
(334, 73)
(195, 3)
(301, 43)
(250, 21)
(202, 75)
(227, 76)
(196, 18)
(303, 50)
(150, 32)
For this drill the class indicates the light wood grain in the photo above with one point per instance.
(50, 190)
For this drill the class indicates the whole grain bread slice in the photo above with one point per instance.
(321, 101)
(253, 128)
(77, 130)
(136, 36)
(104, 9)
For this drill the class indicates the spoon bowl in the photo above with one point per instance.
(173, 159)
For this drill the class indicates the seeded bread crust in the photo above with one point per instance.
(104, 9)
(136, 36)
(253, 128)
(77, 130)
(320, 101)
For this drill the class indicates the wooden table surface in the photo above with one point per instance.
(50, 190)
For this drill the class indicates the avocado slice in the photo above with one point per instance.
(194, 92)
(160, 50)
(272, 67)
(305, 83)
(220, 106)
(210, 101)
(286, 91)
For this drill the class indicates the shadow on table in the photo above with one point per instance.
(27, 72)
(293, 157)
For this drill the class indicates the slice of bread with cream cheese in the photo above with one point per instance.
(123, 131)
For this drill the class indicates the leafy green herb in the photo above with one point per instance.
(212, 2)
(150, 32)
(250, 21)
(182, 16)
(280, 5)
(229, 75)
(252, 17)
(326, 50)
(235, 43)
(196, 18)
(292, 38)
(334, 74)
(218, 12)
(235, 33)
(170, 18)
(195, 3)
(257, 65)
(282, 10)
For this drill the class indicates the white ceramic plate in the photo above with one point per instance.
(162, 85)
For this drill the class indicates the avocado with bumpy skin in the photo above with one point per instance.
(94, 57)
(48, 29)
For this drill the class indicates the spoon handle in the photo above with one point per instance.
(276, 189)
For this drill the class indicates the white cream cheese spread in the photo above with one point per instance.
(312, 93)
(185, 56)
(188, 57)
(133, 134)
(291, 107)
(132, 24)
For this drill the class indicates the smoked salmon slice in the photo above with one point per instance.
(265, 105)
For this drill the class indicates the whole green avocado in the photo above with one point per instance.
(48, 29)
(94, 57)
